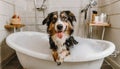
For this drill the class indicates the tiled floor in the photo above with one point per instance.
(14, 64)
(106, 66)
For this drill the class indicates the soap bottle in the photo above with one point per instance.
(94, 13)
(103, 17)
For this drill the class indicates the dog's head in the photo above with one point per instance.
(60, 22)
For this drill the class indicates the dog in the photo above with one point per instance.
(60, 29)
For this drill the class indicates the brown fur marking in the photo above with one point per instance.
(55, 55)
(51, 29)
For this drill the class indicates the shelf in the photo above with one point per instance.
(100, 24)
(14, 26)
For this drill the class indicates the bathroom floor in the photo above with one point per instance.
(106, 66)
(15, 64)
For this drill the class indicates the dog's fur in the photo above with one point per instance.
(60, 29)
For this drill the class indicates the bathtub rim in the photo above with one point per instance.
(97, 56)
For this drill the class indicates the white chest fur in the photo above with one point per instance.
(59, 41)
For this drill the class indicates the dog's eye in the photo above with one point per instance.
(64, 19)
(54, 20)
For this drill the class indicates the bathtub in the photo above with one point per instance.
(33, 52)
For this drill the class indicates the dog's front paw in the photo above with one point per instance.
(73, 40)
(59, 62)
(68, 53)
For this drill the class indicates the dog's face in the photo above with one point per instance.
(60, 22)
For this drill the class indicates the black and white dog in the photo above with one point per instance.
(60, 29)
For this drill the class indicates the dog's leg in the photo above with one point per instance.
(73, 40)
(52, 44)
(55, 55)
(59, 56)
(63, 54)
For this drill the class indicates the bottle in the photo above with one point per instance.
(103, 17)
(94, 14)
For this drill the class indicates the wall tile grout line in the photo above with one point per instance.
(12, 4)
(108, 4)
(114, 14)
(5, 15)
(8, 2)
(33, 17)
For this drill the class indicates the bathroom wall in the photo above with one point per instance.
(25, 9)
(6, 11)
(112, 8)
(27, 13)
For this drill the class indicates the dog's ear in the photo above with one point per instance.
(49, 18)
(46, 20)
(71, 16)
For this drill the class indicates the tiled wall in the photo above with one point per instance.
(27, 13)
(74, 6)
(112, 8)
(6, 11)
(26, 10)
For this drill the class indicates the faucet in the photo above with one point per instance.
(42, 7)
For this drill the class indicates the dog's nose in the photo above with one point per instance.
(59, 26)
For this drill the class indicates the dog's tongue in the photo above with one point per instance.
(60, 35)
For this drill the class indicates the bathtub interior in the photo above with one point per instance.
(86, 49)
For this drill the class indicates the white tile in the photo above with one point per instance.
(111, 9)
(42, 27)
(29, 28)
(39, 14)
(64, 3)
(30, 6)
(6, 9)
(3, 35)
(23, 20)
(3, 22)
(21, 4)
(20, 10)
(9, 1)
(105, 2)
(73, 10)
(112, 35)
(39, 20)
(29, 14)
(30, 20)
(115, 21)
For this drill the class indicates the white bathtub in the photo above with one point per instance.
(33, 51)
